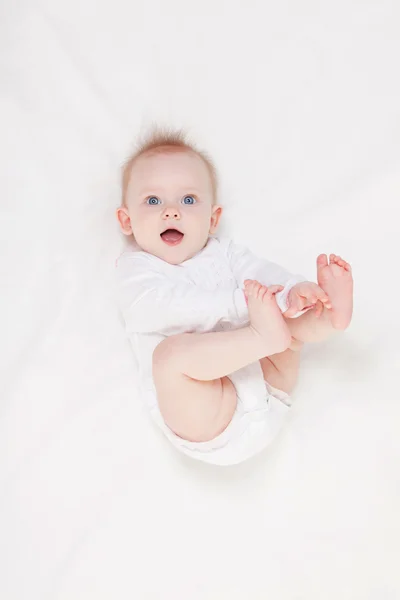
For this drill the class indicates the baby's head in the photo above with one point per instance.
(169, 198)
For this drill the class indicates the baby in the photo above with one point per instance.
(216, 330)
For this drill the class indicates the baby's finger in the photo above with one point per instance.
(305, 301)
(327, 303)
(324, 299)
(321, 294)
(319, 307)
(290, 312)
(294, 308)
(274, 289)
(311, 292)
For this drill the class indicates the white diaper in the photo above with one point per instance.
(260, 413)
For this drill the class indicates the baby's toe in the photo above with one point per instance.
(346, 266)
(342, 263)
(249, 287)
(250, 283)
(337, 260)
(257, 289)
(262, 290)
(322, 260)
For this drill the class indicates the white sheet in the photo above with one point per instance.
(299, 105)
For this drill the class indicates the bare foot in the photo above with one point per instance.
(336, 280)
(266, 319)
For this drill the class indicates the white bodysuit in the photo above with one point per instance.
(202, 294)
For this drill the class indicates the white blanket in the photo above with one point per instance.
(298, 102)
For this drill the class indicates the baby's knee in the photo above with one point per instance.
(161, 354)
(166, 352)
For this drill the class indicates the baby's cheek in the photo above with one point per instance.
(144, 223)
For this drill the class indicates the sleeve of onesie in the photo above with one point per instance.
(246, 265)
(151, 303)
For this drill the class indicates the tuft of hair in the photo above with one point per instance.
(160, 140)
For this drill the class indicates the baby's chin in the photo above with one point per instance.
(178, 255)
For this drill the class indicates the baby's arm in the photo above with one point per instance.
(246, 265)
(151, 303)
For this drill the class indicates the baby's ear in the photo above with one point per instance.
(124, 220)
(215, 217)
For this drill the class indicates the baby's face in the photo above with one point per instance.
(170, 205)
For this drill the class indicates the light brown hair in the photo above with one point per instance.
(166, 141)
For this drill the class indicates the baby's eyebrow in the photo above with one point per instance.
(159, 192)
(150, 192)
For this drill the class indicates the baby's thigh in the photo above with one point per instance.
(196, 411)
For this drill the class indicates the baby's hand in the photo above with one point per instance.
(306, 295)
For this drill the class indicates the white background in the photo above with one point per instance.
(298, 103)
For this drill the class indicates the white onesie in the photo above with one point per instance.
(202, 294)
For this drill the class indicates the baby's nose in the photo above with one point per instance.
(171, 213)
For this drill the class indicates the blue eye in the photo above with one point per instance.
(153, 201)
(189, 200)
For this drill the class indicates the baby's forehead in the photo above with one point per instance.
(159, 164)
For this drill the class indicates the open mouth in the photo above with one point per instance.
(172, 237)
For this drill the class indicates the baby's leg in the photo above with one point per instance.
(281, 370)
(195, 396)
(336, 280)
